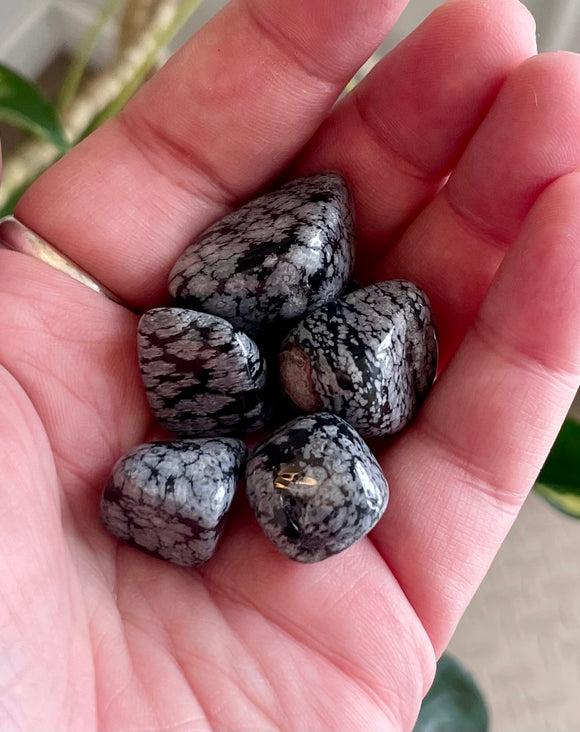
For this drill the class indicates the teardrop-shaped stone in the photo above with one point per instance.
(315, 487)
(370, 357)
(201, 375)
(170, 499)
(273, 259)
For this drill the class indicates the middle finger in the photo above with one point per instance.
(402, 130)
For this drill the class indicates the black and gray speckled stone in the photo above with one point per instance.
(315, 487)
(370, 357)
(170, 499)
(273, 259)
(201, 375)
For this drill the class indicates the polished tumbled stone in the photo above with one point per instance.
(370, 357)
(273, 259)
(170, 499)
(201, 375)
(315, 487)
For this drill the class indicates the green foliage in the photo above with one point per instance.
(559, 479)
(23, 106)
(453, 703)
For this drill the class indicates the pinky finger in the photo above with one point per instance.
(460, 474)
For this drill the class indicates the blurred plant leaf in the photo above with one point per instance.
(559, 479)
(568, 503)
(83, 53)
(23, 106)
(179, 13)
(453, 703)
(137, 15)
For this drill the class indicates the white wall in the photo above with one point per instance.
(12, 10)
(21, 46)
(558, 22)
(32, 31)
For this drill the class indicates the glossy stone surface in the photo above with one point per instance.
(170, 499)
(315, 487)
(273, 259)
(201, 375)
(370, 357)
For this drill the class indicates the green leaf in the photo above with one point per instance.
(568, 503)
(559, 479)
(453, 703)
(23, 106)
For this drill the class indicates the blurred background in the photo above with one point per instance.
(520, 637)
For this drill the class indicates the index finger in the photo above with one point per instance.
(220, 120)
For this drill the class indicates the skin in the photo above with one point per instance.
(94, 634)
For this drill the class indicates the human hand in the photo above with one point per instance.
(94, 634)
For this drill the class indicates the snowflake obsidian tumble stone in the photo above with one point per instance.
(370, 357)
(273, 259)
(201, 375)
(315, 487)
(170, 499)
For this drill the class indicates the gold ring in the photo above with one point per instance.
(19, 238)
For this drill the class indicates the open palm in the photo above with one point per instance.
(94, 634)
